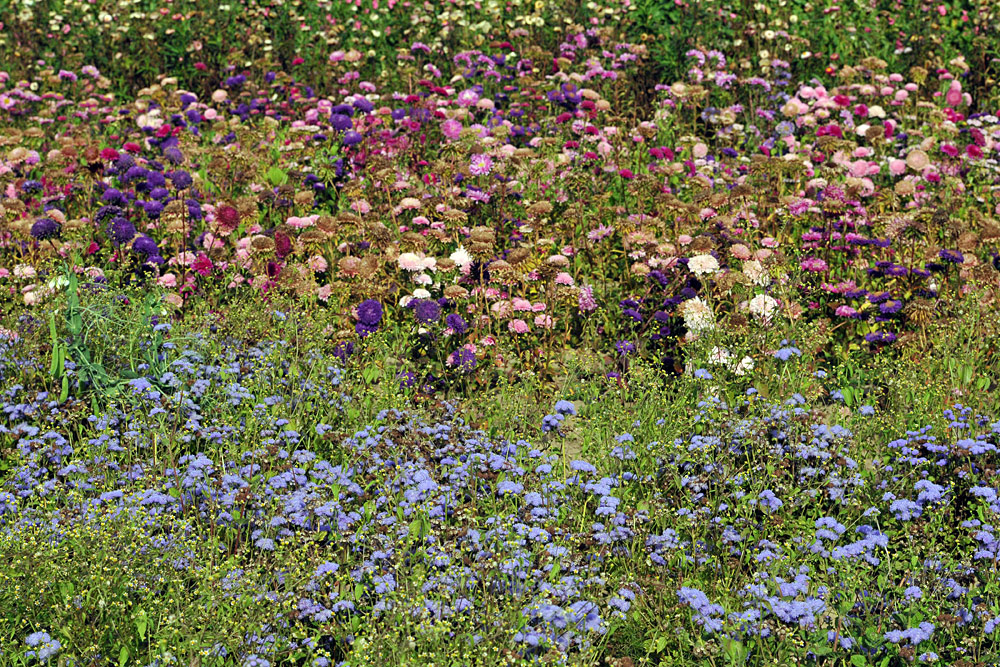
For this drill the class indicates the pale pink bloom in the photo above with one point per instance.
(212, 241)
(564, 278)
(410, 261)
(94, 272)
(421, 220)
(897, 167)
(845, 311)
(167, 280)
(301, 222)
(174, 299)
(684, 239)
(489, 341)
(24, 271)
(324, 292)
(501, 309)
(518, 326)
(538, 307)
(740, 251)
(769, 242)
(186, 258)
(4, 273)
(318, 263)
(361, 206)
(585, 300)
(544, 321)
(521, 304)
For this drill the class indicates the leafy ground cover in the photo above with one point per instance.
(496, 333)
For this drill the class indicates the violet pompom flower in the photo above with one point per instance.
(173, 155)
(463, 359)
(428, 311)
(145, 246)
(456, 323)
(121, 231)
(370, 313)
(181, 179)
(45, 228)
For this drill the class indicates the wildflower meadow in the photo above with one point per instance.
(496, 332)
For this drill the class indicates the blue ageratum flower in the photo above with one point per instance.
(565, 408)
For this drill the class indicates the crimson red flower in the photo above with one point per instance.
(203, 265)
(282, 245)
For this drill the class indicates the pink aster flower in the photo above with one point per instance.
(814, 265)
(518, 326)
(481, 165)
(845, 311)
(544, 321)
(564, 278)
(452, 129)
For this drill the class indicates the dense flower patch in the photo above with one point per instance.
(354, 333)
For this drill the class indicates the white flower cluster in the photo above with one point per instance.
(720, 356)
(698, 316)
(701, 265)
(763, 307)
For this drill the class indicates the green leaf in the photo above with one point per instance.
(141, 624)
(858, 660)
(276, 176)
(123, 656)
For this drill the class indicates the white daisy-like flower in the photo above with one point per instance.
(461, 257)
(701, 265)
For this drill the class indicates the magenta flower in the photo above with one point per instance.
(481, 165)
(814, 265)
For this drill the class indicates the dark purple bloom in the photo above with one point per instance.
(427, 310)
(173, 155)
(456, 323)
(464, 359)
(341, 122)
(370, 313)
(352, 138)
(181, 179)
(145, 246)
(953, 256)
(45, 228)
(121, 230)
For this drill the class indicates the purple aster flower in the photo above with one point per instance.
(45, 228)
(370, 313)
(181, 179)
(953, 256)
(121, 231)
(463, 359)
(428, 311)
(456, 323)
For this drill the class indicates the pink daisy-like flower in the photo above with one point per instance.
(451, 129)
(481, 165)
